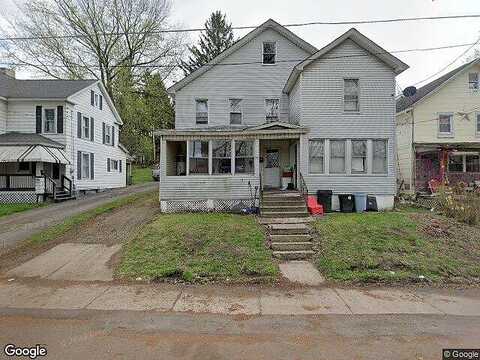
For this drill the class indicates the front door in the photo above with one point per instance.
(272, 169)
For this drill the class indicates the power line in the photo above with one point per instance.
(357, 22)
(260, 62)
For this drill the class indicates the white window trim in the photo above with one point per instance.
(243, 157)
(44, 122)
(85, 127)
(211, 155)
(195, 111)
(478, 81)
(89, 162)
(230, 112)
(276, 52)
(265, 108)
(324, 157)
(387, 152)
(367, 168)
(452, 128)
(345, 156)
(358, 96)
(108, 133)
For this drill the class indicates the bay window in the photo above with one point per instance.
(359, 156)
(316, 156)
(244, 163)
(380, 153)
(198, 157)
(221, 156)
(337, 156)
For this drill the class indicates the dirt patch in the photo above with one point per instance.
(112, 228)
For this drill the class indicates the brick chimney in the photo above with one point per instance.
(8, 71)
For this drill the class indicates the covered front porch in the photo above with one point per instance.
(226, 168)
(448, 164)
(32, 169)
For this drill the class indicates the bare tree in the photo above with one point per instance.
(94, 38)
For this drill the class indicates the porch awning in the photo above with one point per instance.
(32, 153)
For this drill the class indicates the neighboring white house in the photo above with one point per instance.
(272, 104)
(438, 131)
(57, 137)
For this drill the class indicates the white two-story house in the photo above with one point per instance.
(274, 107)
(57, 138)
(438, 131)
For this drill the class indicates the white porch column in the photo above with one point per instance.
(163, 157)
(256, 157)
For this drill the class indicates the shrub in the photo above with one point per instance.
(460, 204)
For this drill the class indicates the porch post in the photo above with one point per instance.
(256, 157)
(443, 163)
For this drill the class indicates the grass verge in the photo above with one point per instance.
(397, 247)
(141, 175)
(8, 209)
(76, 220)
(198, 247)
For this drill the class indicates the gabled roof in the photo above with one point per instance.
(269, 24)
(17, 139)
(404, 103)
(361, 40)
(275, 126)
(40, 89)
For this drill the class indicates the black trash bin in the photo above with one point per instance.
(324, 198)
(372, 203)
(347, 203)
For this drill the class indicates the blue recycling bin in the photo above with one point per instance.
(360, 202)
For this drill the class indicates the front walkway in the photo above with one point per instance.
(18, 227)
(236, 300)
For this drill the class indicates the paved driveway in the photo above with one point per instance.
(17, 227)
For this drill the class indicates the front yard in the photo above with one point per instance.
(198, 247)
(398, 247)
(8, 209)
(141, 175)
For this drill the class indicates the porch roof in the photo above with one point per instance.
(273, 130)
(17, 147)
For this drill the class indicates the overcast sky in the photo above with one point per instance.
(394, 36)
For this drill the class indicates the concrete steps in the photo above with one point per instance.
(291, 246)
(293, 255)
(282, 208)
(290, 238)
(289, 214)
(288, 229)
(302, 220)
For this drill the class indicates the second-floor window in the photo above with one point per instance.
(351, 101)
(86, 127)
(235, 111)
(49, 121)
(445, 124)
(271, 109)
(108, 134)
(269, 52)
(96, 99)
(201, 109)
(473, 81)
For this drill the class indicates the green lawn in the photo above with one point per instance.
(197, 247)
(7, 209)
(397, 246)
(141, 175)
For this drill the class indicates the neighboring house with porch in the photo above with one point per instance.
(57, 137)
(274, 107)
(438, 131)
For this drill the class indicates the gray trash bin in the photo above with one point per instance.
(360, 202)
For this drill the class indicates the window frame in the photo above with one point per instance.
(477, 124)
(386, 142)
(86, 127)
(357, 111)
(442, 133)
(88, 162)
(198, 100)
(229, 102)
(310, 141)
(44, 122)
(344, 172)
(477, 82)
(229, 157)
(352, 157)
(252, 157)
(190, 142)
(278, 111)
(274, 54)
(108, 134)
(113, 164)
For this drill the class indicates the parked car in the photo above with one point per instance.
(156, 172)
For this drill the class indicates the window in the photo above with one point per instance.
(445, 124)
(337, 156)
(359, 156)
(478, 124)
(222, 156)
(86, 127)
(114, 164)
(85, 165)
(244, 157)
(201, 107)
(350, 95)
(198, 157)
(455, 163)
(316, 156)
(473, 81)
(472, 163)
(108, 134)
(379, 156)
(271, 109)
(235, 111)
(49, 121)
(269, 52)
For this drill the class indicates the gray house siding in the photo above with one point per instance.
(3, 116)
(322, 112)
(252, 82)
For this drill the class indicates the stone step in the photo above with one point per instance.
(276, 214)
(290, 238)
(295, 208)
(288, 229)
(267, 221)
(293, 255)
(291, 246)
(282, 198)
(300, 202)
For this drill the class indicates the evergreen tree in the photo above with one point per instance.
(217, 37)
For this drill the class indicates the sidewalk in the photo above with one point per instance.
(238, 300)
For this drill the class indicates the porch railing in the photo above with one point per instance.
(50, 187)
(17, 182)
(66, 184)
(303, 186)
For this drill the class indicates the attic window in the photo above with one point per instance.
(473, 82)
(269, 52)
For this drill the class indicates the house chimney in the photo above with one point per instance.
(8, 71)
